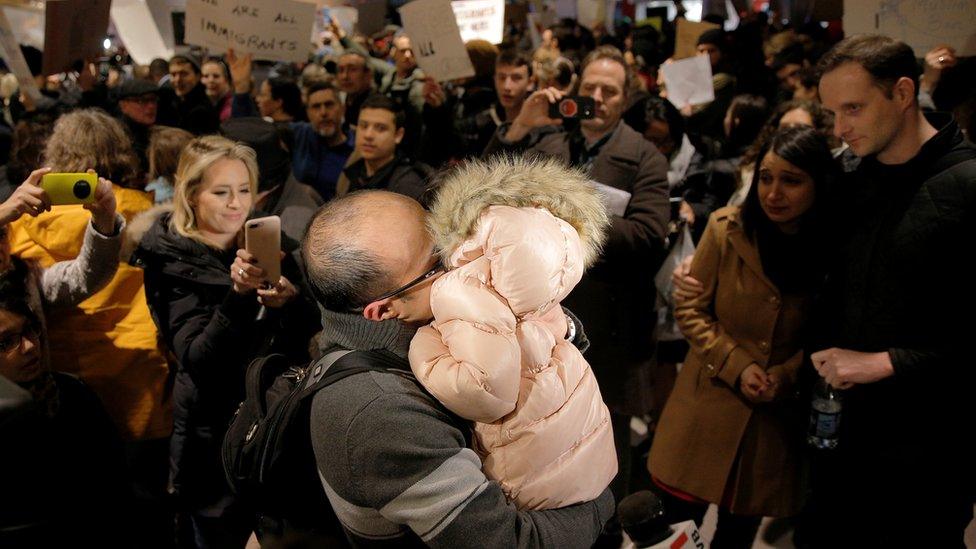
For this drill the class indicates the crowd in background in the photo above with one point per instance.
(133, 319)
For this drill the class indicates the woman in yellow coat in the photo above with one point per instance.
(729, 433)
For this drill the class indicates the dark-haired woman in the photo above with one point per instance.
(727, 434)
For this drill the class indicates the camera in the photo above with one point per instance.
(576, 106)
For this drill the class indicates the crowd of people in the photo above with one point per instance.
(497, 274)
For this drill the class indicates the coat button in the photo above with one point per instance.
(774, 301)
(710, 368)
(764, 346)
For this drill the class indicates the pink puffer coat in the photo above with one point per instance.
(516, 236)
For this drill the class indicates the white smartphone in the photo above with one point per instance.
(262, 239)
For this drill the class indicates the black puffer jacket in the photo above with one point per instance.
(898, 285)
(214, 334)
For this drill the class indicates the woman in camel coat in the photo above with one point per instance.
(732, 430)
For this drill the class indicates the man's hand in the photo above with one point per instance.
(534, 114)
(103, 208)
(336, 28)
(240, 70)
(685, 286)
(28, 198)
(843, 368)
(434, 94)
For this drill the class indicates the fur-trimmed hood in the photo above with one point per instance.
(139, 226)
(519, 182)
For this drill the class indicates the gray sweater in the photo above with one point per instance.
(398, 469)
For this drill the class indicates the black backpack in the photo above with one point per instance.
(267, 451)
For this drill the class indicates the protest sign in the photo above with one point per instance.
(688, 81)
(686, 37)
(372, 16)
(480, 19)
(10, 51)
(436, 39)
(27, 23)
(276, 30)
(138, 31)
(346, 16)
(73, 31)
(922, 24)
(591, 13)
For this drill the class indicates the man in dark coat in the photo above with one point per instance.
(185, 105)
(376, 162)
(902, 474)
(615, 299)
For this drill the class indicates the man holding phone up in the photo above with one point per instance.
(614, 297)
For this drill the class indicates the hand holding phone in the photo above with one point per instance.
(29, 198)
(262, 239)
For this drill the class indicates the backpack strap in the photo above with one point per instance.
(344, 363)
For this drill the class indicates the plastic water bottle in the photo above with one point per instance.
(825, 412)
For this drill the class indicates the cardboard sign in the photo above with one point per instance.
(73, 31)
(276, 30)
(922, 24)
(372, 16)
(480, 19)
(591, 13)
(10, 51)
(436, 39)
(138, 30)
(686, 37)
(689, 81)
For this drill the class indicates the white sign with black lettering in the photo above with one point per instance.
(480, 19)
(276, 30)
(436, 39)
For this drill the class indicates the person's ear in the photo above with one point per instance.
(399, 135)
(379, 310)
(904, 90)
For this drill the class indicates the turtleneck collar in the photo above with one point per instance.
(352, 331)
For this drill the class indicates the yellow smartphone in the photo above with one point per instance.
(70, 188)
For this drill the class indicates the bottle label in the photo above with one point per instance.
(825, 424)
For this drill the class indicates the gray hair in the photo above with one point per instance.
(341, 273)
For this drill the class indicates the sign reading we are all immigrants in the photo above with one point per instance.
(276, 30)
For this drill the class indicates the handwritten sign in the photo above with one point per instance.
(138, 31)
(686, 37)
(480, 19)
(277, 30)
(922, 24)
(10, 51)
(436, 39)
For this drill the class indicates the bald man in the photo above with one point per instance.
(395, 464)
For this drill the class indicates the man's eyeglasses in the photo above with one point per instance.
(438, 268)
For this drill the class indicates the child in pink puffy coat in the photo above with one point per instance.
(515, 236)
